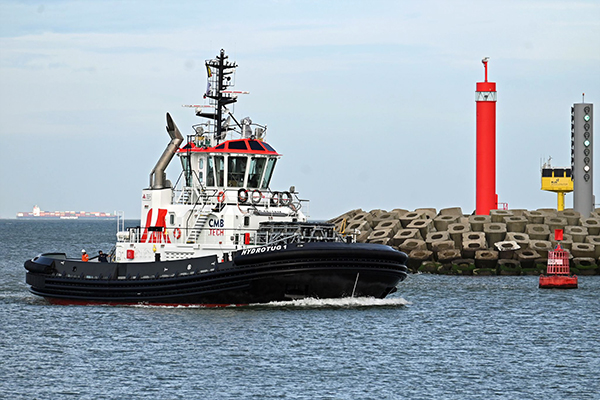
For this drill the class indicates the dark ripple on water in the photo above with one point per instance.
(438, 337)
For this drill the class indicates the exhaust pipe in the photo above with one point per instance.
(158, 177)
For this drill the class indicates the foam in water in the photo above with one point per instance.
(345, 302)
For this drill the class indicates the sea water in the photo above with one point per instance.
(438, 337)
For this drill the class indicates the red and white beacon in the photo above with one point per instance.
(486, 96)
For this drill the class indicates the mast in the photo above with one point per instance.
(219, 72)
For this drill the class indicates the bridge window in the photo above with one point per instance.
(257, 166)
(268, 173)
(254, 145)
(210, 174)
(238, 145)
(236, 171)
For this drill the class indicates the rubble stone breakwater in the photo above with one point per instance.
(506, 242)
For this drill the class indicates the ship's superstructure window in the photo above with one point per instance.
(268, 147)
(236, 171)
(220, 170)
(201, 170)
(185, 165)
(268, 173)
(210, 174)
(257, 166)
(254, 145)
(238, 145)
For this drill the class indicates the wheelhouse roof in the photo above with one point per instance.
(244, 146)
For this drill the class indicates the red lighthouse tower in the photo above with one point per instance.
(486, 197)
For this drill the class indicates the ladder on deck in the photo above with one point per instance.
(197, 228)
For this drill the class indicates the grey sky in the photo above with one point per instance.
(371, 103)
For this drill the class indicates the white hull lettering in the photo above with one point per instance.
(265, 249)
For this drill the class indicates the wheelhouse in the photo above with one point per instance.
(244, 163)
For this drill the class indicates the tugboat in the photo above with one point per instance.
(220, 236)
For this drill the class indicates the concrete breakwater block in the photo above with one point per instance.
(448, 255)
(392, 224)
(506, 249)
(555, 223)
(585, 266)
(494, 232)
(404, 234)
(377, 212)
(430, 267)
(400, 211)
(541, 246)
(594, 240)
(477, 222)
(416, 258)
(499, 215)
(527, 257)
(407, 218)
(486, 258)
(592, 225)
(509, 267)
(534, 217)
(583, 250)
(456, 231)
(362, 217)
(566, 243)
(361, 226)
(441, 222)
(391, 216)
(472, 242)
(573, 217)
(436, 237)
(380, 234)
(537, 231)
(549, 212)
(423, 225)
(441, 245)
(522, 239)
(515, 224)
(347, 216)
(428, 213)
(451, 211)
(412, 244)
(463, 266)
(518, 212)
(577, 233)
(384, 241)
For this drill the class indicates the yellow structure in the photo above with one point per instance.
(557, 180)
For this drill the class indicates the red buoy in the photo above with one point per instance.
(557, 272)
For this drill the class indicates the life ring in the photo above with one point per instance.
(242, 196)
(221, 197)
(286, 199)
(256, 196)
(275, 199)
(177, 233)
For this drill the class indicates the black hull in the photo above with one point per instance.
(260, 275)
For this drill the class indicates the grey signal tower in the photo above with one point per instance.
(582, 157)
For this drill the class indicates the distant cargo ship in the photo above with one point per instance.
(37, 213)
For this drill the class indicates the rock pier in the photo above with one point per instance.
(506, 242)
